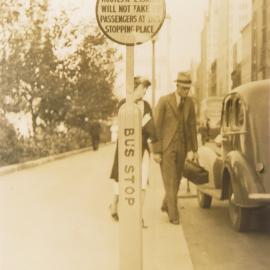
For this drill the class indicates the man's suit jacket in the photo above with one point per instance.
(167, 119)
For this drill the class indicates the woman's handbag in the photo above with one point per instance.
(195, 173)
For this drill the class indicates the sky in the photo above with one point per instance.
(186, 25)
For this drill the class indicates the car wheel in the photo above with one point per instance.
(239, 216)
(204, 200)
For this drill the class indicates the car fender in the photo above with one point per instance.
(243, 178)
(209, 159)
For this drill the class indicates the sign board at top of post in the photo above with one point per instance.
(130, 22)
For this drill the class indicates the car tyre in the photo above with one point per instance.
(204, 200)
(239, 216)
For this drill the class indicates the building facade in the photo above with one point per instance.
(221, 50)
(246, 45)
(204, 60)
(261, 40)
(213, 33)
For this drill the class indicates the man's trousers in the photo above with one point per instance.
(172, 165)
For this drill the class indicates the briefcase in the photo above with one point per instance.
(195, 173)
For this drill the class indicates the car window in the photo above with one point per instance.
(228, 113)
(233, 114)
(239, 114)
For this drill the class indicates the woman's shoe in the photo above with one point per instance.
(164, 208)
(175, 221)
(114, 214)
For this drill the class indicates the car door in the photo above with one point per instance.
(239, 125)
(227, 117)
(233, 124)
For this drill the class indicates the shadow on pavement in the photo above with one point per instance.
(260, 221)
(213, 243)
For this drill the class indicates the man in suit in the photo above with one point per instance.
(177, 135)
(95, 134)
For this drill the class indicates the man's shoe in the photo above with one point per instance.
(115, 216)
(175, 221)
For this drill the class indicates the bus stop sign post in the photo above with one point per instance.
(130, 212)
(130, 22)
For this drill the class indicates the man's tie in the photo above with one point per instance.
(181, 104)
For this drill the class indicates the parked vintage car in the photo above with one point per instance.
(238, 163)
(209, 118)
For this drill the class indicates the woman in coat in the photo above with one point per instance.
(148, 133)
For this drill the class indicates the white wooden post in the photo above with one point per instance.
(130, 147)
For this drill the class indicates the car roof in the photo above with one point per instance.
(256, 96)
(254, 92)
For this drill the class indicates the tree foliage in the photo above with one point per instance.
(61, 74)
(10, 147)
(91, 97)
(30, 65)
(9, 30)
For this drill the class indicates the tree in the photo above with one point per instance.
(10, 148)
(55, 89)
(30, 67)
(55, 104)
(92, 98)
(10, 16)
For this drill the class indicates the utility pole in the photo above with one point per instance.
(154, 39)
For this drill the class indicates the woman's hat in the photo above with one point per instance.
(141, 80)
(184, 79)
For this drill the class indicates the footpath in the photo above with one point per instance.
(165, 246)
(56, 217)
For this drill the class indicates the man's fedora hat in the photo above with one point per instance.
(184, 79)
